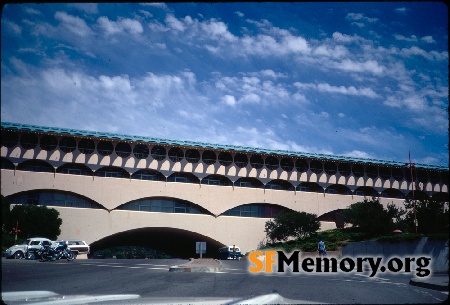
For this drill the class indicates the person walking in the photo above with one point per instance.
(321, 248)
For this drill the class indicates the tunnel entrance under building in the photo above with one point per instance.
(177, 243)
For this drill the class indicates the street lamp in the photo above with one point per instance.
(411, 166)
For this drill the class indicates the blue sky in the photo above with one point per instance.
(365, 79)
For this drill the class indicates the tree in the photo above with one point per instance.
(431, 214)
(371, 217)
(5, 211)
(291, 224)
(35, 220)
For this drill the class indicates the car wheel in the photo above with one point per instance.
(18, 255)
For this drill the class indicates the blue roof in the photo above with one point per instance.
(244, 149)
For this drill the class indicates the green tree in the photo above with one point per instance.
(372, 218)
(431, 214)
(291, 224)
(35, 220)
(5, 211)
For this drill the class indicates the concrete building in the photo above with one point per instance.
(113, 189)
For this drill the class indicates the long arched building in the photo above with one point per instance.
(113, 189)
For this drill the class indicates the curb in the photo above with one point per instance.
(189, 267)
(429, 285)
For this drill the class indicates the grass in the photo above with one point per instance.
(337, 238)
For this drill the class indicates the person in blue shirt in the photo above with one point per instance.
(321, 248)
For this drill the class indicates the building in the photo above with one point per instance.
(113, 189)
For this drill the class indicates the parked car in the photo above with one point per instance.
(30, 245)
(77, 246)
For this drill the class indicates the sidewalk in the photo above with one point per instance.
(199, 265)
(437, 281)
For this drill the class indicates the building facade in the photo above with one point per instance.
(165, 194)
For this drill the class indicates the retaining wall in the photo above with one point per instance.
(436, 249)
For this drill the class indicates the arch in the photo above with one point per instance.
(225, 159)
(371, 171)
(123, 149)
(9, 138)
(183, 177)
(418, 194)
(163, 205)
(74, 169)
(366, 191)
(256, 161)
(36, 166)
(105, 148)
(287, 164)
(316, 166)
(29, 140)
(279, 184)
(112, 171)
(217, 180)
(344, 169)
(241, 160)
(249, 182)
(175, 154)
(330, 168)
(48, 142)
(86, 146)
(158, 153)
(272, 163)
(209, 157)
(358, 170)
(6, 164)
(392, 193)
(333, 216)
(259, 210)
(301, 165)
(338, 189)
(192, 156)
(310, 187)
(54, 198)
(67, 144)
(172, 241)
(148, 174)
(141, 151)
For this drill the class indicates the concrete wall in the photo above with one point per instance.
(436, 249)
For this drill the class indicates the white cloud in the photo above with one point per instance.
(413, 38)
(122, 25)
(174, 23)
(229, 100)
(428, 39)
(351, 90)
(74, 24)
(370, 66)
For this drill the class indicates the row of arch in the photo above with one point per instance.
(214, 179)
(175, 154)
(152, 204)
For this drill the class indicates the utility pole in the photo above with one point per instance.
(411, 166)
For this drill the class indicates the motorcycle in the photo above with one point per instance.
(47, 253)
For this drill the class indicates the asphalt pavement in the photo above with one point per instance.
(437, 281)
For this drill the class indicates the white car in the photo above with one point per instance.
(31, 244)
(77, 246)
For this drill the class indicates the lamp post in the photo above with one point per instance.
(411, 166)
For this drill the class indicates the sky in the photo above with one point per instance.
(357, 79)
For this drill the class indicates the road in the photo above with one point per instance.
(151, 278)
